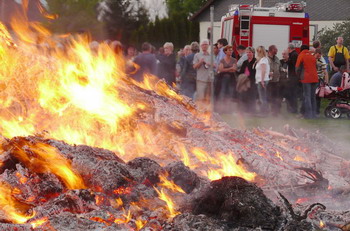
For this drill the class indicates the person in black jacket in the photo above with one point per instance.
(247, 99)
(188, 74)
(167, 64)
(146, 61)
(293, 80)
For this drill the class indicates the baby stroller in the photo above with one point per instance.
(339, 98)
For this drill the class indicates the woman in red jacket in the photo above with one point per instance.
(306, 67)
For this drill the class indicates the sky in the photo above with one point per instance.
(156, 7)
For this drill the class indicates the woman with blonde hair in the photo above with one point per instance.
(262, 76)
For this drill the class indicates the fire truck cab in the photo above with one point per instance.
(251, 25)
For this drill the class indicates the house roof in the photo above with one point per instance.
(318, 10)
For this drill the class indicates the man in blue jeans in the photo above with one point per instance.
(306, 67)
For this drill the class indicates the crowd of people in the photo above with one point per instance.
(250, 80)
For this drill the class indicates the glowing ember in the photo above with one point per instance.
(119, 202)
(140, 224)
(302, 200)
(126, 218)
(39, 222)
(322, 225)
(278, 154)
(299, 158)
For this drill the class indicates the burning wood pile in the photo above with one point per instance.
(171, 167)
(50, 185)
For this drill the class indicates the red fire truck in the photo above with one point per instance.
(251, 25)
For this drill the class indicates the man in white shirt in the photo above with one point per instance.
(201, 63)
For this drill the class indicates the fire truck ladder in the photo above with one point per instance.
(244, 31)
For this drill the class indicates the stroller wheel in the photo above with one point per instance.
(327, 111)
(335, 113)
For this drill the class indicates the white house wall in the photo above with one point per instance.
(203, 30)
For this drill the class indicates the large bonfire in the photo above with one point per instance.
(59, 102)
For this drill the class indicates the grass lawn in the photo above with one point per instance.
(335, 129)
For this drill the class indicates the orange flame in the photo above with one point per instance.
(126, 218)
(83, 96)
(225, 165)
(278, 154)
(299, 158)
(119, 202)
(22, 179)
(39, 222)
(10, 206)
(169, 184)
(322, 225)
(170, 204)
(185, 159)
(50, 160)
(140, 224)
(302, 200)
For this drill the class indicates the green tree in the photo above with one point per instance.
(184, 6)
(328, 36)
(121, 18)
(75, 16)
(176, 28)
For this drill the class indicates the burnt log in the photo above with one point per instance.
(109, 176)
(145, 170)
(74, 201)
(183, 176)
(238, 202)
(33, 188)
(73, 151)
(68, 222)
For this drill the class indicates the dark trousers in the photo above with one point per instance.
(309, 96)
(225, 86)
(291, 95)
(274, 97)
(247, 99)
(188, 87)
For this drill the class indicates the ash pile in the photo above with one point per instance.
(97, 190)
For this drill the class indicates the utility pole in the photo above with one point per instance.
(260, 3)
(212, 74)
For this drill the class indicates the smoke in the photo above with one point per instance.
(335, 130)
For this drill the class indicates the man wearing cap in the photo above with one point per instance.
(201, 63)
